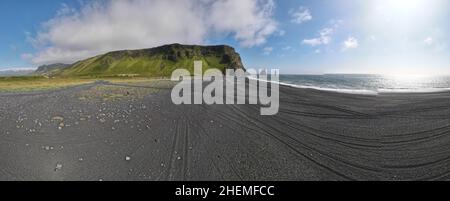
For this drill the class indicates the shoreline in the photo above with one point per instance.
(370, 91)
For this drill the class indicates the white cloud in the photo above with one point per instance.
(323, 39)
(267, 50)
(27, 56)
(300, 15)
(287, 48)
(249, 20)
(325, 34)
(281, 32)
(102, 26)
(429, 41)
(313, 42)
(350, 43)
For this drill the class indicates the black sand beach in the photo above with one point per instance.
(105, 132)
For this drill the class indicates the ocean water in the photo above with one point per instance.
(369, 84)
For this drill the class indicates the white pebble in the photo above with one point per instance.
(58, 167)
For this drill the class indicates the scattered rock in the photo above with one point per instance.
(57, 118)
(58, 167)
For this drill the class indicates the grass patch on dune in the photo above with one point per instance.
(38, 83)
(19, 84)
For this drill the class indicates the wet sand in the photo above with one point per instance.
(105, 132)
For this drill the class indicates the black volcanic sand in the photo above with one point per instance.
(110, 132)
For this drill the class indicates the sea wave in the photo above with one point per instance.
(371, 92)
(346, 91)
(361, 91)
(416, 90)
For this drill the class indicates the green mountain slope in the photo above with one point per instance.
(159, 61)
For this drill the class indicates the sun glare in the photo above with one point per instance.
(406, 12)
(409, 6)
(407, 77)
(403, 30)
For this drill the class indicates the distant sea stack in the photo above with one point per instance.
(159, 61)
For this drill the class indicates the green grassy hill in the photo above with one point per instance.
(159, 61)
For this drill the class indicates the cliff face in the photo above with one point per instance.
(50, 69)
(159, 61)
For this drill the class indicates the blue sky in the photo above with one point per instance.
(310, 36)
(17, 18)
